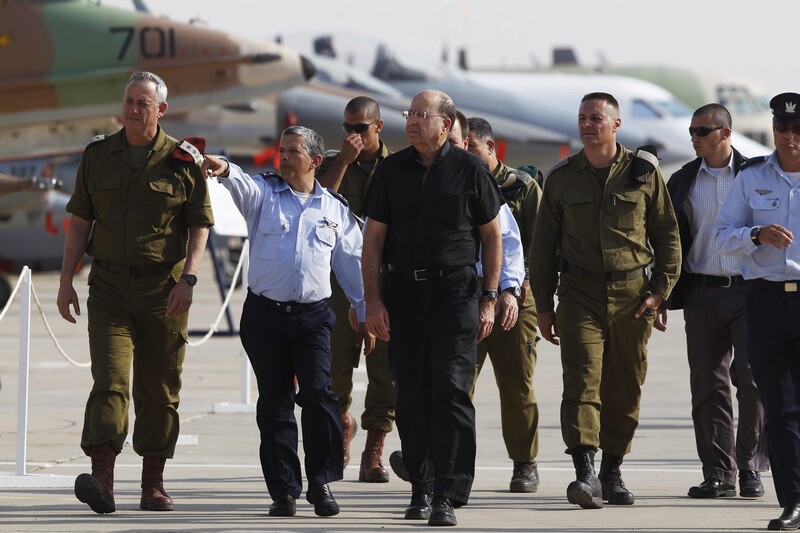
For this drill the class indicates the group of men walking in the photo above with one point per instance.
(368, 250)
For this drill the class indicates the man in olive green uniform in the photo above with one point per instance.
(141, 209)
(605, 216)
(513, 352)
(349, 172)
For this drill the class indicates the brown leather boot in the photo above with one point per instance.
(154, 498)
(372, 470)
(349, 429)
(97, 489)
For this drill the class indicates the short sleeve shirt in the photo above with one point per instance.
(433, 213)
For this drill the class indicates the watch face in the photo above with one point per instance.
(190, 279)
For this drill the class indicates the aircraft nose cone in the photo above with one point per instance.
(308, 67)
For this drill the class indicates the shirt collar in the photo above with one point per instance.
(706, 168)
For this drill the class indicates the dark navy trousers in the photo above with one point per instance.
(280, 346)
(773, 329)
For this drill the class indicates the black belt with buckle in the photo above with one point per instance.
(285, 307)
(722, 282)
(424, 274)
(620, 275)
(124, 270)
(779, 286)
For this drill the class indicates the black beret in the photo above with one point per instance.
(786, 107)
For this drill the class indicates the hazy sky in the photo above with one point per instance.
(739, 38)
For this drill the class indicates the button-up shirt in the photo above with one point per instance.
(512, 267)
(701, 208)
(294, 246)
(762, 194)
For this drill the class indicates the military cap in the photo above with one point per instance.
(785, 107)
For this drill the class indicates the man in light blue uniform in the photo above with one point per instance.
(298, 231)
(757, 221)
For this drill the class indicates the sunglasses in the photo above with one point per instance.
(784, 128)
(358, 128)
(702, 131)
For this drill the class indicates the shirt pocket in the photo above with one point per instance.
(577, 209)
(764, 208)
(273, 238)
(169, 190)
(323, 243)
(628, 209)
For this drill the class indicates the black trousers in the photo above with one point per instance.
(773, 331)
(433, 329)
(280, 346)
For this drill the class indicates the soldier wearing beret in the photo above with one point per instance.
(757, 222)
(605, 216)
(141, 209)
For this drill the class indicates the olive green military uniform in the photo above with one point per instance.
(605, 237)
(139, 244)
(380, 398)
(513, 352)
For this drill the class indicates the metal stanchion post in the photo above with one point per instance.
(24, 362)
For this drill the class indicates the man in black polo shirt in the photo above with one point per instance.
(431, 207)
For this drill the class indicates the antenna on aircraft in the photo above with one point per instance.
(564, 57)
(141, 6)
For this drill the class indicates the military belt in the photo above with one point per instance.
(723, 282)
(124, 270)
(779, 286)
(605, 276)
(425, 274)
(285, 307)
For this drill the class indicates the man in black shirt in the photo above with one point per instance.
(432, 206)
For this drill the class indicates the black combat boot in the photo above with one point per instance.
(614, 491)
(585, 490)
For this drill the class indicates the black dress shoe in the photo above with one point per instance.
(750, 485)
(442, 513)
(790, 519)
(712, 488)
(283, 506)
(420, 507)
(321, 498)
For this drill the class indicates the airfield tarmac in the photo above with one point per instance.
(215, 477)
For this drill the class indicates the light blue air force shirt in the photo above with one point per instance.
(512, 267)
(294, 246)
(762, 194)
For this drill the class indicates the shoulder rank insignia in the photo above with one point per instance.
(96, 138)
(645, 160)
(753, 161)
(188, 151)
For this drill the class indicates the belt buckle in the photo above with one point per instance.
(729, 284)
(790, 286)
(417, 273)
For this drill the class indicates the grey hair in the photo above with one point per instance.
(143, 75)
(312, 142)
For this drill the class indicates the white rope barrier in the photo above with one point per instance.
(53, 336)
(215, 326)
(13, 293)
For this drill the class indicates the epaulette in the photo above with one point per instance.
(187, 152)
(753, 161)
(270, 174)
(339, 197)
(564, 162)
(645, 161)
(97, 138)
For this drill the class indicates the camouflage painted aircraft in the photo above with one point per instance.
(64, 65)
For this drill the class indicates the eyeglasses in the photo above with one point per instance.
(422, 115)
(784, 128)
(702, 131)
(358, 128)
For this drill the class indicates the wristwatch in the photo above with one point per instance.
(516, 291)
(191, 279)
(754, 235)
(492, 294)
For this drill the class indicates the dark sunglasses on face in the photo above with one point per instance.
(358, 128)
(784, 128)
(702, 131)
